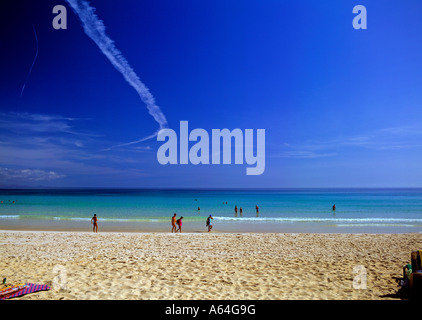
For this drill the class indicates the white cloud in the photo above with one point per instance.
(38, 123)
(302, 154)
(7, 174)
(38, 147)
(394, 138)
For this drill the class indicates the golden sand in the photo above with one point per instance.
(244, 266)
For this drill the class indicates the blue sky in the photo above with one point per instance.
(341, 107)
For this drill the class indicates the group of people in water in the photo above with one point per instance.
(9, 202)
(241, 211)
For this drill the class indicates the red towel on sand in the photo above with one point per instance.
(28, 288)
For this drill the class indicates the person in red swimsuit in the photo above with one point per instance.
(179, 223)
(95, 223)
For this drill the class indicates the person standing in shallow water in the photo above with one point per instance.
(179, 223)
(94, 222)
(173, 223)
(209, 224)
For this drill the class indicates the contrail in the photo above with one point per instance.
(134, 142)
(33, 62)
(95, 29)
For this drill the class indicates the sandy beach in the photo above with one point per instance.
(142, 266)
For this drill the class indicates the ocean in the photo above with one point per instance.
(280, 210)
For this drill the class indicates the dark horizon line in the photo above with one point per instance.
(199, 188)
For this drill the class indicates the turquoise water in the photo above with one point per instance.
(284, 210)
